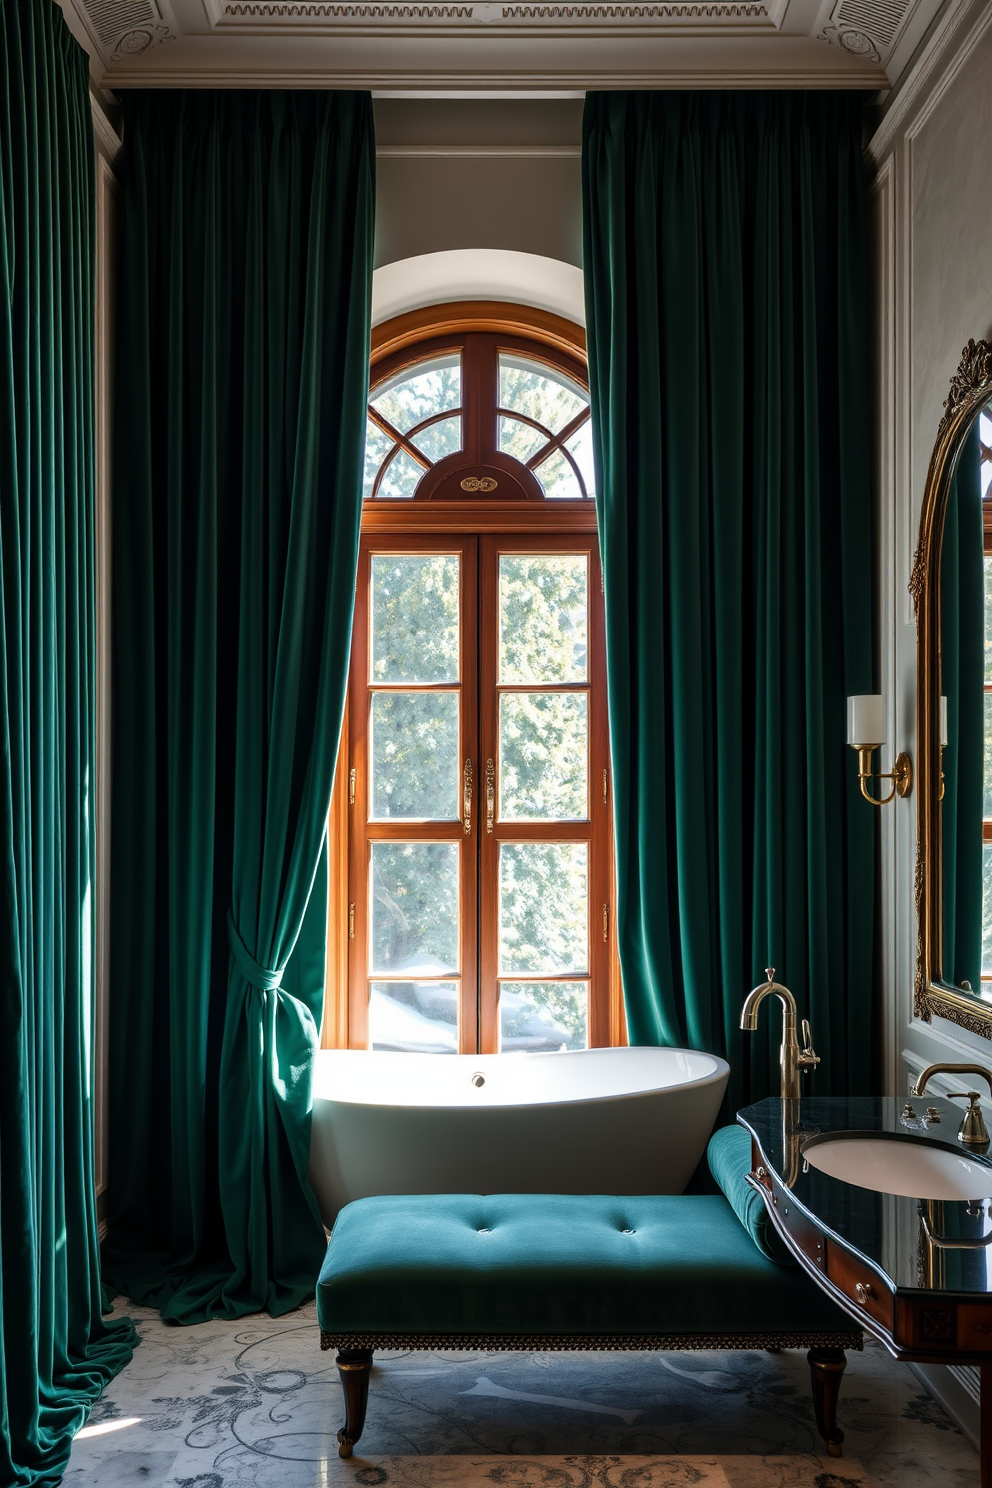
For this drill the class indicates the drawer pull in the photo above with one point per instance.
(862, 1292)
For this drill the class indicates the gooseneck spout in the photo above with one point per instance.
(791, 1057)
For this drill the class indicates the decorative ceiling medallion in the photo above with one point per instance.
(133, 43)
(854, 42)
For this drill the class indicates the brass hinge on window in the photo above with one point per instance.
(351, 787)
(606, 922)
(351, 922)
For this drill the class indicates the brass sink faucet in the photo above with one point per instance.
(972, 1130)
(791, 1057)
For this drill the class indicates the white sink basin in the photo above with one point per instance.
(917, 1170)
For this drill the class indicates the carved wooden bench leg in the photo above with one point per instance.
(826, 1367)
(354, 1368)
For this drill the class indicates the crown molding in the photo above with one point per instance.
(938, 56)
(477, 84)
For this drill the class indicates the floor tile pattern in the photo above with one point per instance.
(255, 1404)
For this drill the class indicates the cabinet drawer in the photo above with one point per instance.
(870, 1295)
(802, 1232)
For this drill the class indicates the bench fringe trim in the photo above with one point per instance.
(612, 1342)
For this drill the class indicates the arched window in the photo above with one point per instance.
(472, 813)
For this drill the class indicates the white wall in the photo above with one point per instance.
(933, 234)
(932, 218)
(464, 173)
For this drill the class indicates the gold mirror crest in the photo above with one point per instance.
(970, 391)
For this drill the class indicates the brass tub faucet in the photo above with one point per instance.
(972, 1130)
(791, 1057)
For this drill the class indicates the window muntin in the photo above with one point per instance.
(480, 400)
(507, 655)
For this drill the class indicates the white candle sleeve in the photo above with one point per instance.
(864, 721)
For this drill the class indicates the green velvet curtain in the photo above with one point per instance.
(56, 1352)
(962, 666)
(728, 322)
(243, 369)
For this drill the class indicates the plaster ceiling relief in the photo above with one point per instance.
(474, 48)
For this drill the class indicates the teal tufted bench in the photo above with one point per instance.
(566, 1271)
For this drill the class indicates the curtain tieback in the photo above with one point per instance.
(251, 970)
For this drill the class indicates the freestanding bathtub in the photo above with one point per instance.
(615, 1121)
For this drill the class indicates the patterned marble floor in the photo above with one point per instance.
(255, 1404)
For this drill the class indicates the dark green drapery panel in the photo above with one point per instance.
(962, 673)
(243, 370)
(728, 315)
(56, 1353)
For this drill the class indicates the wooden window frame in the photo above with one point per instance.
(511, 524)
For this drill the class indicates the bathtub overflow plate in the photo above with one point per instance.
(478, 1080)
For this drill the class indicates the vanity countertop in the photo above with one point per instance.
(889, 1233)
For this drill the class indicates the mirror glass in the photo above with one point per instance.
(966, 718)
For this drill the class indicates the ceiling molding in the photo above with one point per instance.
(943, 53)
(477, 84)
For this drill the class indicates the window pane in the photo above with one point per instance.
(377, 447)
(542, 756)
(401, 478)
(537, 1016)
(558, 478)
(413, 888)
(414, 615)
(440, 439)
(416, 393)
(580, 448)
(542, 393)
(519, 439)
(414, 753)
(414, 1017)
(542, 618)
(543, 908)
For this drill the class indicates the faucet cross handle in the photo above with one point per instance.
(808, 1058)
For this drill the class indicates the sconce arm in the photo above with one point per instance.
(901, 776)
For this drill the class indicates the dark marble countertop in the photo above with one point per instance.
(892, 1234)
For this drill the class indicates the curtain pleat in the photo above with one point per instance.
(727, 320)
(245, 307)
(56, 1352)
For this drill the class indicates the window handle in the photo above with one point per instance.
(467, 796)
(490, 795)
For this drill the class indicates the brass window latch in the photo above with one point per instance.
(490, 795)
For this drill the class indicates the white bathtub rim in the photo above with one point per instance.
(718, 1076)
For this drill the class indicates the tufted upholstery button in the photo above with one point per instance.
(482, 1230)
(627, 1232)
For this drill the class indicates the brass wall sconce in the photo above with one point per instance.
(865, 733)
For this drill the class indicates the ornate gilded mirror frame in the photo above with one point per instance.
(971, 389)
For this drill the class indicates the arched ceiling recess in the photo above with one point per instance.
(463, 274)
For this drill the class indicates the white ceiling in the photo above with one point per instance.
(479, 48)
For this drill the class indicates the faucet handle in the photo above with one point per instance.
(972, 1129)
(807, 1057)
